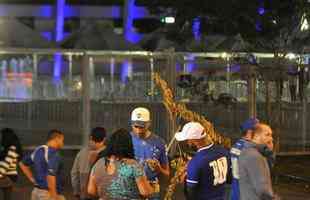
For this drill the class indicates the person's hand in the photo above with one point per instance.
(153, 164)
(54, 197)
(183, 177)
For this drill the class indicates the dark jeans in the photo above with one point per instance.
(7, 193)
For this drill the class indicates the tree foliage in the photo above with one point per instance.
(267, 24)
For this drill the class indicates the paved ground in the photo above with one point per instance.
(288, 185)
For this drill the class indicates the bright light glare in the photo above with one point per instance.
(224, 55)
(304, 24)
(291, 56)
(169, 20)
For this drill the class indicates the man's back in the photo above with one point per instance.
(255, 180)
(235, 153)
(81, 170)
(208, 172)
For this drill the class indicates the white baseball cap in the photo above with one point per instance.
(191, 130)
(140, 116)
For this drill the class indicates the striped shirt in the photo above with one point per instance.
(8, 166)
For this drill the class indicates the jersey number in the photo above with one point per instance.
(219, 170)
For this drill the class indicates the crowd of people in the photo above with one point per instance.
(129, 164)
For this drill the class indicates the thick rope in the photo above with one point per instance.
(180, 110)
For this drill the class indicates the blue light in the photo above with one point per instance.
(261, 10)
(115, 12)
(57, 65)
(59, 36)
(47, 35)
(70, 11)
(235, 68)
(178, 67)
(258, 26)
(45, 11)
(190, 63)
(60, 19)
(196, 28)
(132, 13)
(126, 68)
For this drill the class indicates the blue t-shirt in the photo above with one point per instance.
(46, 161)
(152, 147)
(235, 153)
(208, 171)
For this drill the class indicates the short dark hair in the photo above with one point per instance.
(98, 134)
(52, 134)
(120, 145)
(8, 139)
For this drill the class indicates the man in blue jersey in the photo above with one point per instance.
(150, 150)
(44, 168)
(209, 169)
(245, 141)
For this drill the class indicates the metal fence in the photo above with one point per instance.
(76, 90)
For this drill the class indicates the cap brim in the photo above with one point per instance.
(139, 123)
(180, 136)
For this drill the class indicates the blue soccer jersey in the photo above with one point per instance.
(235, 153)
(152, 147)
(46, 161)
(208, 172)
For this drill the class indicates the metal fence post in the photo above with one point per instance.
(70, 72)
(252, 93)
(304, 122)
(112, 72)
(86, 100)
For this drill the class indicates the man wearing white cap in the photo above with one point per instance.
(150, 150)
(209, 169)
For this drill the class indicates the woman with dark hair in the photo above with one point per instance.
(10, 154)
(118, 176)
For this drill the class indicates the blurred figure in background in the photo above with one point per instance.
(118, 176)
(84, 160)
(10, 154)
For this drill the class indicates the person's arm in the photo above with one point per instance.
(259, 174)
(163, 165)
(75, 175)
(144, 186)
(92, 187)
(51, 184)
(25, 167)
(162, 168)
(9, 161)
(27, 171)
(52, 171)
(192, 180)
